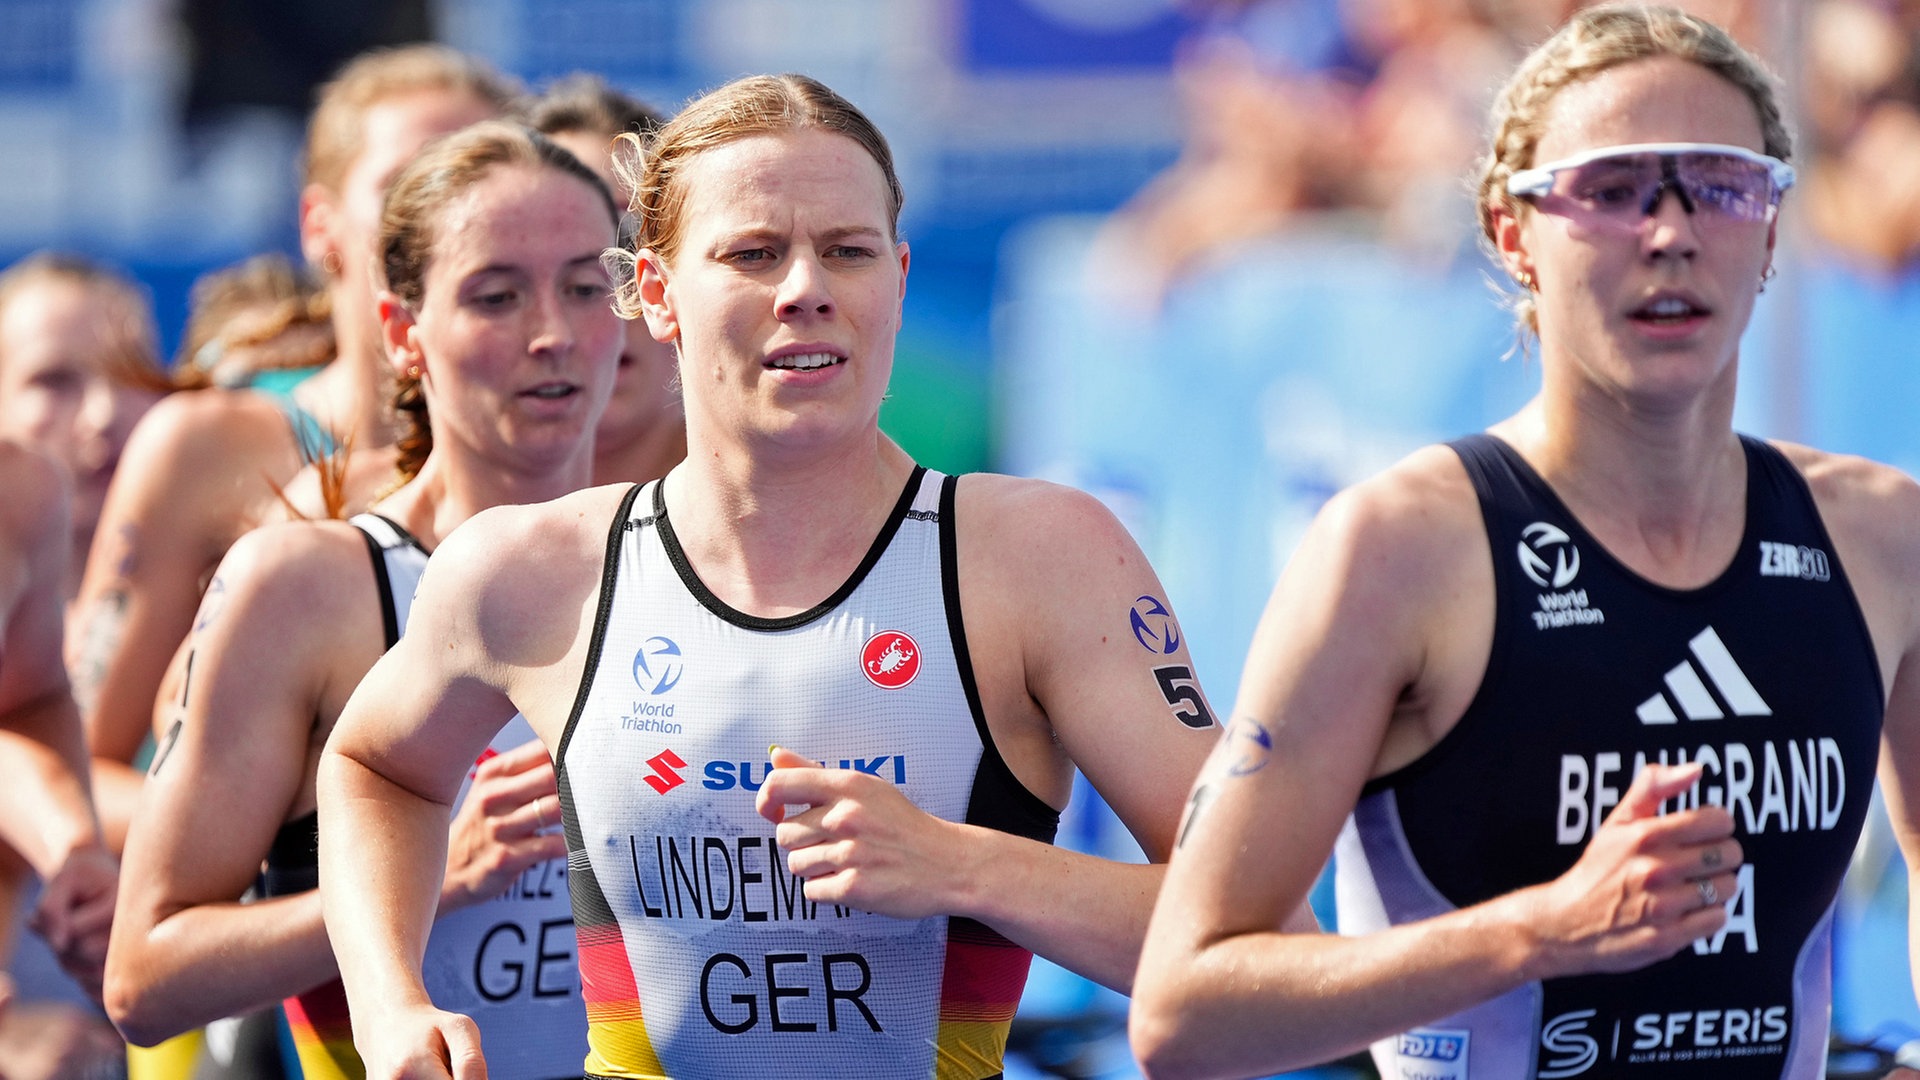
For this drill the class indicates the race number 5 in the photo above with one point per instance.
(1183, 695)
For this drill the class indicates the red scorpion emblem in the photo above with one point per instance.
(890, 660)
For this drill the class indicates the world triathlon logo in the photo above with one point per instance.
(1541, 540)
(1153, 626)
(657, 666)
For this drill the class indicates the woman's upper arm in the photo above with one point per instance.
(1096, 645)
(498, 608)
(1353, 641)
(1872, 514)
(181, 494)
(235, 758)
(33, 547)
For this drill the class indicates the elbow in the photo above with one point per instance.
(136, 1010)
(1161, 1037)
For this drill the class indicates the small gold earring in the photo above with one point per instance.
(1525, 278)
(1767, 275)
(413, 371)
(332, 263)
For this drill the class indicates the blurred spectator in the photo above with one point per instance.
(643, 433)
(1862, 187)
(263, 314)
(49, 1029)
(1418, 125)
(1357, 115)
(1262, 146)
(78, 366)
(204, 467)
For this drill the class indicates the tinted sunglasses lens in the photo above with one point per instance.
(1729, 187)
(1717, 187)
(1611, 187)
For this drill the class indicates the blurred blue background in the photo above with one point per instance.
(1212, 261)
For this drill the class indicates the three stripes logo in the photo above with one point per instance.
(664, 778)
(1687, 689)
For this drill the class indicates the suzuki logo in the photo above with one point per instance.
(1566, 561)
(664, 779)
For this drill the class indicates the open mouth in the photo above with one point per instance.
(1669, 311)
(551, 391)
(806, 361)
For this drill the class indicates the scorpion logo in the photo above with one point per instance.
(890, 660)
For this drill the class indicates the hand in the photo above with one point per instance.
(860, 843)
(506, 824)
(421, 1043)
(1647, 885)
(75, 913)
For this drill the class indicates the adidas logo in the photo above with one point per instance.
(1690, 692)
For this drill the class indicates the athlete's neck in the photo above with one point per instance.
(451, 488)
(646, 456)
(1666, 495)
(353, 396)
(774, 534)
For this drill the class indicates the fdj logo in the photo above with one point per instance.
(1537, 539)
(1153, 626)
(1432, 1054)
(657, 666)
(1431, 1044)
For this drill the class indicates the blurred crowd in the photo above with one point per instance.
(1366, 116)
(1860, 129)
(278, 403)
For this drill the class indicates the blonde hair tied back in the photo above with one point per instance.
(1593, 41)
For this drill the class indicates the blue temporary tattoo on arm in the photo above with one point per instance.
(1249, 747)
(1154, 627)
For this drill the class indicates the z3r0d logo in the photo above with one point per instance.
(657, 666)
(1541, 540)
